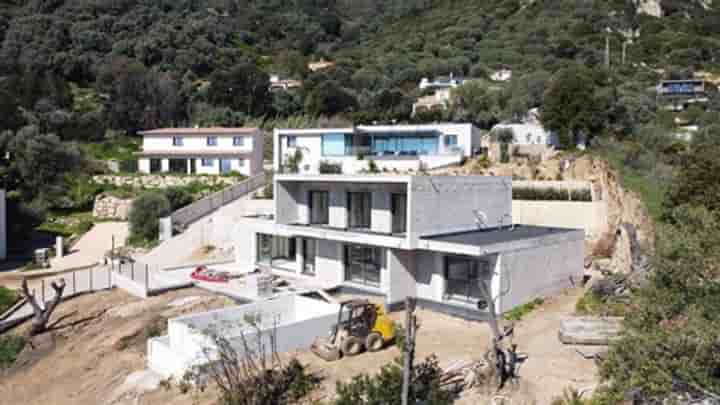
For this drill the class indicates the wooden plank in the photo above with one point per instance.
(587, 330)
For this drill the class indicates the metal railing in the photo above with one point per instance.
(191, 213)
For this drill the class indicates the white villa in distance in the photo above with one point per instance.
(202, 151)
(401, 148)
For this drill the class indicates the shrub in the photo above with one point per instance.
(520, 311)
(8, 298)
(330, 168)
(551, 194)
(178, 197)
(10, 348)
(386, 386)
(373, 167)
(145, 213)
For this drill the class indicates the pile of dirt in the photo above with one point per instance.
(95, 342)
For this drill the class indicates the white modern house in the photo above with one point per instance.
(529, 133)
(441, 82)
(431, 237)
(399, 148)
(202, 151)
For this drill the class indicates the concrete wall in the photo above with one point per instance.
(447, 204)
(3, 226)
(592, 217)
(298, 321)
(540, 272)
(400, 276)
(296, 193)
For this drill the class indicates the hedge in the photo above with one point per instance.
(551, 194)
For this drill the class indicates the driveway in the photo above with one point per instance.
(91, 247)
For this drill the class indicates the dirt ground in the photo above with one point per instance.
(100, 339)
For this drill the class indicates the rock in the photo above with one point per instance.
(109, 207)
(136, 385)
(588, 330)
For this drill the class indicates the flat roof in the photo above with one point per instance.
(491, 236)
(192, 153)
(200, 131)
(345, 178)
(372, 128)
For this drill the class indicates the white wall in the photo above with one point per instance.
(537, 134)
(197, 142)
(592, 217)
(298, 320)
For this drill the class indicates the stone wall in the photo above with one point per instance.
(160, 181)
(110, 207)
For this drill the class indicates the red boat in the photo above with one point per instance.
(202, 273)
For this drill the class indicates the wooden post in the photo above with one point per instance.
(408, 348)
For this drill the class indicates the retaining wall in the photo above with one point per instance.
(589, 216)
(298, 321)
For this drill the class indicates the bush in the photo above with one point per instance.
(386, 387)
(330, 168)
(23, 217)
(551, 194)
(178, 197)
(520, 311)
(145, 213)
(8, 298)
(10, 348)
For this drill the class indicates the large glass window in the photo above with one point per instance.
(319, 207)
(405, 145)
(310, 252)
(155, 165)
(276, 251)
(333, 145)
(238, 141)
(212, 141)
(177, 141)
(363, 264)
(359, 210)
(462, 275)
(399, 213)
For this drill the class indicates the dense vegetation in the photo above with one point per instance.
(95, 72)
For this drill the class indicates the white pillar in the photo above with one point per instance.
(165, 165)
(189, 166)
(144, 165)
(59, 247)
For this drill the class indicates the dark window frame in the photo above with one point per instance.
(177, 141)
(367, 218)
(394, 212)
(311, 218)
(371, 262)
(465, 290)
(211, 141)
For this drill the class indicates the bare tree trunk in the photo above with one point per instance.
(408, 348)
(42, 311)
(501, 355)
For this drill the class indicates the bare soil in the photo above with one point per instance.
(100, 339)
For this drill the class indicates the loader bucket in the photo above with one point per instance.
(325, 350)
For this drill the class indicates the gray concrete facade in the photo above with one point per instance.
(459, 232)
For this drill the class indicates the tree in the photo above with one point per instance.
(670, 341)
(43, 311)
(328, 98)
(571, 106)
(39, 165)
(476, 103)
(244, 88)
(144, 215)
(696, 182)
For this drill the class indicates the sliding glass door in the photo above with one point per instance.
(363, 264)
(319, 207)
(275, 251)
(359, 210)
(398, 208)
(310, 252)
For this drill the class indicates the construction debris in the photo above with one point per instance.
(465, 375)
(588, 330)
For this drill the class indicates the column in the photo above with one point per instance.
(189, 166)
(164, 165)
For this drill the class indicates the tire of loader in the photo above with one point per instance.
(351, 346)
(374, 342)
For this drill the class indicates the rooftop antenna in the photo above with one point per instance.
(480, 219)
